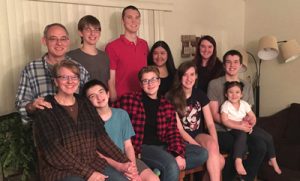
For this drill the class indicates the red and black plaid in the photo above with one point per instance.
(167, 130)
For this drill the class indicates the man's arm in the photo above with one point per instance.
(214, 107)
(113, 63)
(38, 103)
(112, 86)
(173, 137)
(210, 123)
(26, 102)
(129, 150)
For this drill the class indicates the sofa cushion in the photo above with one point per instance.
(292, 132)
(288, 155)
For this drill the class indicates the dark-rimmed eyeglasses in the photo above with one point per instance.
(150, 81)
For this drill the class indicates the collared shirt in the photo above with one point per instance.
(127, 58)
(37, 81)
(68, 148)
(167, 131)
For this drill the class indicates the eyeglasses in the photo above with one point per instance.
(90, 30)
(150, 81)
(68, 77)
(54, 39)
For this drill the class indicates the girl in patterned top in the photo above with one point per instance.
(194, 117)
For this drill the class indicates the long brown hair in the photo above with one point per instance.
(176, 95)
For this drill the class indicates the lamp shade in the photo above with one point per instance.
(290, 50)
(268, 48)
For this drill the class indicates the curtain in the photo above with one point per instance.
(21, 27)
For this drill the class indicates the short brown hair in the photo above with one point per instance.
(148, 69)
(232, 53)
(130, 7)
(88, 20)
(69, 64)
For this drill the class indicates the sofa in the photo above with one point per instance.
(284, 126)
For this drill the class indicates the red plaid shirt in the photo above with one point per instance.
(167, 130)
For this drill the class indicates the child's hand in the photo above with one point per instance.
(250, 120)
(245, 126)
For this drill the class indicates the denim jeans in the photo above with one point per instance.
(157, 157)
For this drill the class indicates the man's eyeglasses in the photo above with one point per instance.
(54, 39)
(67, 78)
(90, 30)
(150, 81)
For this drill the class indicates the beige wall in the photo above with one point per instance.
(279, 82)
(223, 21)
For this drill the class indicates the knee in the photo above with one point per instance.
(260, 148)
(222, 162)
(171, 171)
(149, 175)
(212, 146)
(203, 155)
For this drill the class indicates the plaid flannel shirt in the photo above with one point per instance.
(68, 148)
(167, 130)
(37, 81)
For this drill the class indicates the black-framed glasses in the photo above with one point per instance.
(150, 81)
(68, 77)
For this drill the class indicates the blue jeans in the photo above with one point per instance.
(157, 157)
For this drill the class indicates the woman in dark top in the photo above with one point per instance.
(208, 64)
(70, 134)
(161, 56)
(194, 117)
